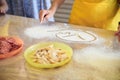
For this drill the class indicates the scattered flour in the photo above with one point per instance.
(100, 57)
(76, 35)
(80, 36)
(65, 34)
(105, 62)
(39, 32)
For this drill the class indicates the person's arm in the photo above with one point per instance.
(45, 14)
(3, 6)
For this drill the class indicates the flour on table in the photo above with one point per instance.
(65, 34)
(72, 35)
(98, 61)
(79, 36)
(39, 32)
(100, 57)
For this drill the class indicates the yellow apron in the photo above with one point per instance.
(103, 14)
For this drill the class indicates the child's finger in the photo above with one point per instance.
(42, 14)
(2, 10)
(47, 16)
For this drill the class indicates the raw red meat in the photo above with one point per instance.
(7, 45)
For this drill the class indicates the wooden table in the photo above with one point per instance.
(92, 59)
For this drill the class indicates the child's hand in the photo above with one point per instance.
(3, 9)
(45, 15)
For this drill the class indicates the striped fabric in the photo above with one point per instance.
(27, 8)
(63, 13)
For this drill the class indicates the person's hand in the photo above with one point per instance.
(45, 15)
(3, 9)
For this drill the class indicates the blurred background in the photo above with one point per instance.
(31, 8)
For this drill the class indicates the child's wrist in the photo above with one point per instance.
(53, 10)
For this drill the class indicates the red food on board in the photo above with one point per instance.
(4, 47)
(10, 46)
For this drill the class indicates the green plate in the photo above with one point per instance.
(31, 51)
